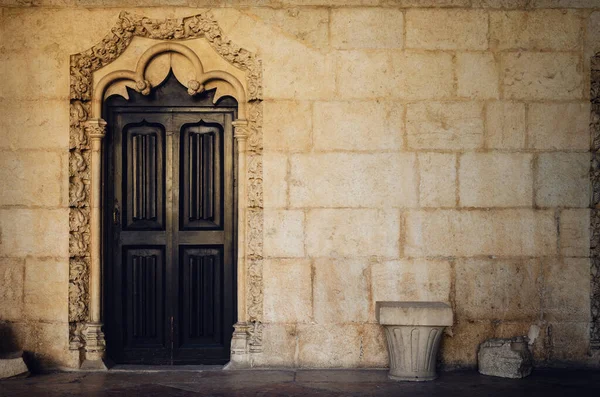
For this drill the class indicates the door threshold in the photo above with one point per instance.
(164, 368)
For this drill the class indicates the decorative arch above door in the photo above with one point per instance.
(105, 67)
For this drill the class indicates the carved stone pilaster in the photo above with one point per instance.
(595, 203)
(240, 347)
(95, 347)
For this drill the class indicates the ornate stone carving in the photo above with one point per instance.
(78, 290)
(198, 26)
(255, 181)
(595, 204)
(255, 143)
(82, 67)
(255, 331)
(595, 296)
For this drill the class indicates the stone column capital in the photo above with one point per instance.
(240, 130)
(95, 128)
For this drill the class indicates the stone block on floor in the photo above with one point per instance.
(505, 358)
(12, 365)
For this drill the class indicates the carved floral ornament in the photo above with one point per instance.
(87, 130)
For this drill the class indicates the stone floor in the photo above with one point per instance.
(297, 383)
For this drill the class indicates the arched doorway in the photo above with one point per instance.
(131, 56)
(169, 241)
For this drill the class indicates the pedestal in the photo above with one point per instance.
(240, 354)
(95, 347)
(413, 332)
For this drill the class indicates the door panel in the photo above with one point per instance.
(202, 272)
(144, 286)
(201, 183)
(144, 177)
(170, 255)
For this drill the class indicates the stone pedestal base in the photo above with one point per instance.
(413, 332)
(240, 352)
(95, 347)
(12, 365)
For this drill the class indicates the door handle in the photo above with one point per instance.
(116, 214)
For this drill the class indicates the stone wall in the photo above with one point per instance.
(413, 150)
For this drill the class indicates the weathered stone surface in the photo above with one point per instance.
(328, 346)
(341, 291)
(461, 347)
(575, 232)
(308, 74)
(502, 4)
(366, 28)
(478, 75)
(352, 232)
(592, 35)
(362, 75)
(40, 76)
(353, 180)
(287, 126)
(505, 125)
(426, 3)
(446, 29)
(540, 75)
(49, 340)
(488, 289)
(559, 126)
(411, 280)
(12, 271)
(446, 126)
(46, 289)
(570, 340)
(284, 233)
(479, 232)
(506, 358)
(309, 25)
(437, 179)
(358, 125)
(35, 178)
(567, 290)
(417, 75)
(495, 180)
(374, 349)
(287, 290)
(275, 187)
(41, 232)
(565, 4)
(555, 30)
(12, 365)
(562, 180)
(279, 346)
(46, 128)
(414, 313)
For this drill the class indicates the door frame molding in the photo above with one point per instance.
(87, 129)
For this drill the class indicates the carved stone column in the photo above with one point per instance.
(240, 356)
(413, 332)
(92, 332)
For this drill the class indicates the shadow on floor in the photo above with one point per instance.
(547, 383)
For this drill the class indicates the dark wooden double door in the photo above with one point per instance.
(169, 273)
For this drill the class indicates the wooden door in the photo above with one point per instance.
(170, 260)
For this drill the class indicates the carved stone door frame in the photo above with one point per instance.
(87, 129)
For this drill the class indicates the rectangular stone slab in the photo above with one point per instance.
(414, 313)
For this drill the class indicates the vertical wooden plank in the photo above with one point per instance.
(134, 174)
